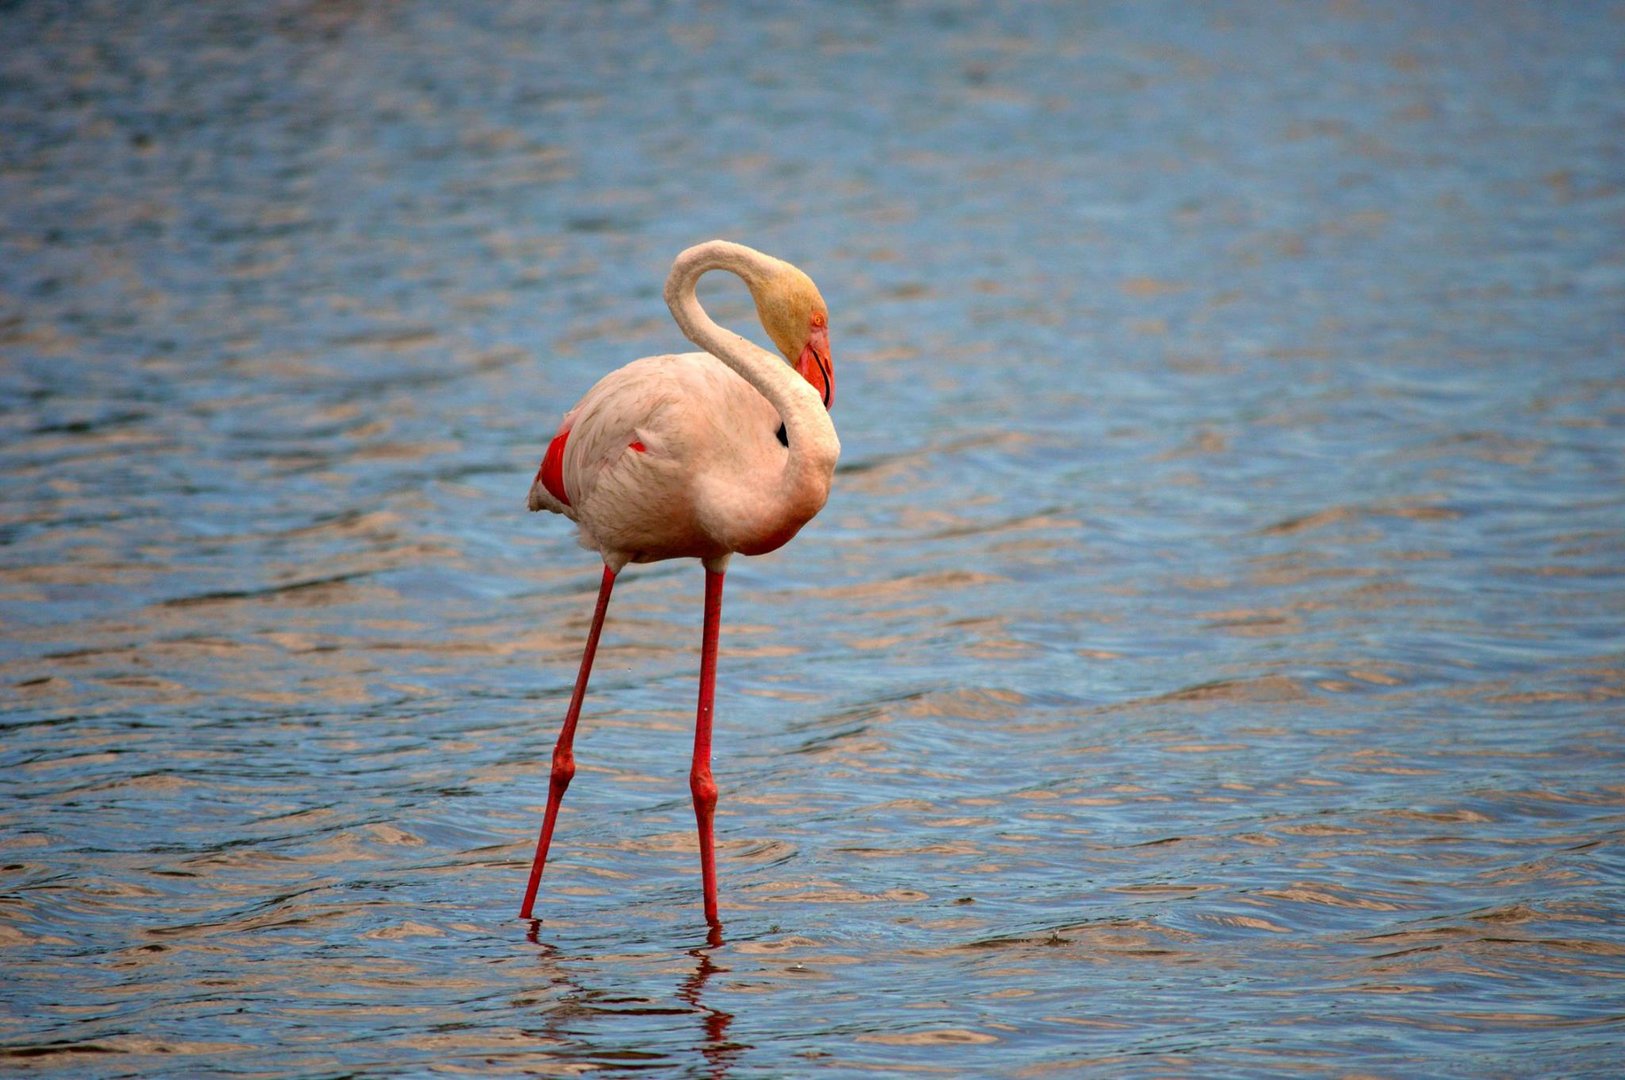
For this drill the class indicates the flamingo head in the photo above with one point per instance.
(795, 317)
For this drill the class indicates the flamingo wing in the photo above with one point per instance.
(628, 462)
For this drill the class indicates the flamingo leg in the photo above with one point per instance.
(700, 781)
(564, 762)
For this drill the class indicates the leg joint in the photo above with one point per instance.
(704, 789)
(564, 769)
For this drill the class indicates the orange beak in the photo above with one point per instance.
(815, 365)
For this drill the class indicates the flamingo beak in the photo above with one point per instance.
(815, 365)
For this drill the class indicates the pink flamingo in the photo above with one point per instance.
(695, 456)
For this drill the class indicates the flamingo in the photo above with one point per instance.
(695, 456)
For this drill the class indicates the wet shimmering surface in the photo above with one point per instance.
(1209, 663)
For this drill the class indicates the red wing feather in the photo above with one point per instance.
(551, 474)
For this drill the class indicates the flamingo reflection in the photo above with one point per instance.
(562, 1019)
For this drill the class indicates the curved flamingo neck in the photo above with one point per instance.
(812, 440)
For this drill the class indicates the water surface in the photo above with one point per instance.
(1209, 663)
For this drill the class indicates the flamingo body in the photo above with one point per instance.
(695, 455)
(672, 457)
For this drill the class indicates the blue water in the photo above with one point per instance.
(1211, 661)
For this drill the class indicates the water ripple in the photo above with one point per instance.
(1209, 662)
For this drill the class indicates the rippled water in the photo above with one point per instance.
(1210, 662)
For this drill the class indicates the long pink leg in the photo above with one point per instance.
(699, 777)
(564, 762)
